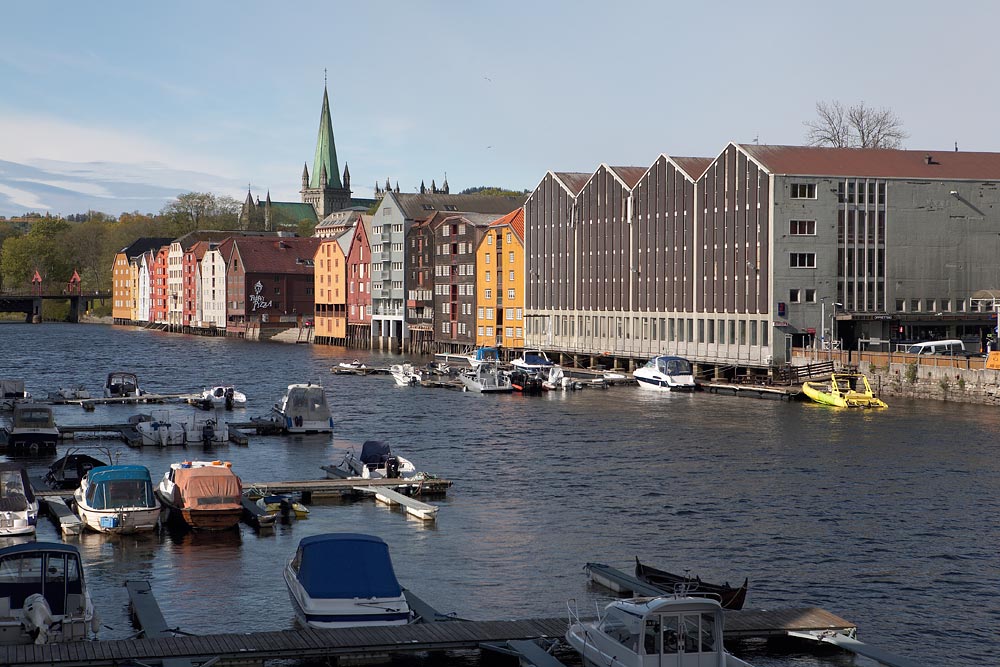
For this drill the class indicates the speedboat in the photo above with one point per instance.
(122, 385)
(282, 504)
(345, 580)
(118, 499)
(556, 379)
(676, 631)
(666, 373)
(533, 360)
(484, 355)
(526, 382)
(405, 375)
(377, 461)
(18, 504)
(32, 429)
(69, 394)
(207, 495)
(486, 378)
(44, 596)
(303, 409)
(844, 390)
(351, 365)
(160, 430)
(68, 472)
(224, 396)
(730, 597)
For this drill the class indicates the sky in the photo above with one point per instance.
(120, 106)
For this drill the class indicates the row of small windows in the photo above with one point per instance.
(930, 305)
(665, 329)
(509, 313)
(847, 193)
(488, 293)
(509, 332)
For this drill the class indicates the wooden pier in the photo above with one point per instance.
(790, 393)
(345, 488)
(60, 513)
(128, 434)
(390, 497)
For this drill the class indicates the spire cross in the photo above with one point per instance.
(324, 76)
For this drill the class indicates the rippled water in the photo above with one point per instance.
(889, 520)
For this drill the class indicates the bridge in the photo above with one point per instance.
(29, 303)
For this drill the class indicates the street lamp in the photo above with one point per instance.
(833, 324)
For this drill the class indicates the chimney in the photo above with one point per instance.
(928, 159)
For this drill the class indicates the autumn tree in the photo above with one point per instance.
(857, 126)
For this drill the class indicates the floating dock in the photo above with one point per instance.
(128, 434)
(345, 488)
(755, 390)
(386, 495)
(60, 513)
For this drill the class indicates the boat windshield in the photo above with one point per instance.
(622, 627)
(120, 493)
(12, 483)
(674, 366)
(33, 418)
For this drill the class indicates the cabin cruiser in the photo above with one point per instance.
(662, 631)
(159, 430)
(405, 375)
(486, 378)
(533, 361)
(303, 409)
(224, 396)
(43, 596)
(69, 471)
(377, 461)
(12, 392)
(118, 499)
(122, 385)
(666, 373)
(207, 495)
(345, 580)
(32, 429)
(18, 504)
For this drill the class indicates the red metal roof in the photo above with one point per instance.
(516, 221)
(572, 180)
(876, 162)
(630, 175)
(692, 166)
(278, 255)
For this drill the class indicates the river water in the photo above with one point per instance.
(887, 519)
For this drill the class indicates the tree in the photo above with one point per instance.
(42, 249)
(857, 126)
(492, 191)
(202, 210)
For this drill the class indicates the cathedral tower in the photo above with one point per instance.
(324, 189)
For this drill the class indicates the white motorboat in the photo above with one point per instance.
(160, 430)
(32, 429)
(352, 365)
(486, 378)
(118, 499)
(345, 580)
(405, 375)
(303, 409)
(18, 504)
(533, 361)
(377, 461)
(122, 385)
(45, 596)
(70, 394)
(224, 396)
(11, 393)
(666, 373)
(636, 632)
(556, 379)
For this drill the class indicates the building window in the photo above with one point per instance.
(386, 211)
(803, 191)
(802, 227)
(511, 276)
(510, 257)
(486, 259)
(914, 305)
(793, 295)
(489, 239)
(810, 296)
(899, 305)
(802, 260)
(487, 293)
(929, 305)
(510, 293)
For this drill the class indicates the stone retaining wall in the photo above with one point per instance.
(940, 384)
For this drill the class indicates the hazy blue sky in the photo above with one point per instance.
(215, 95)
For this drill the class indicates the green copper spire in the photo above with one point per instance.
(326, 151)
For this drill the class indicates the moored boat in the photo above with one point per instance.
(377, 460)
(730, 597)
(45, 595)
(284, 505)
(526, 382)
(676, 631)
(11, 393)
(160, 430)
(122, 385)
(224, 396)
(344, 580)
(533, 360)
(32, 429)
(303, 409)
(18, 504)
(405, 375)
(666, 373)
(118, 499)
(843, 390)
(486, 378)
(68, 472)
(205, 494)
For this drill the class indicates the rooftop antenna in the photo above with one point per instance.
(756, 138)
(324, 77)
(956, 146)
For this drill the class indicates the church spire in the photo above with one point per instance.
(326, 150)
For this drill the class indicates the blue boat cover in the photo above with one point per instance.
(375, 451)
(347, 565)
(111, 473)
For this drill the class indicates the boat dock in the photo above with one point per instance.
(89, 403)
(60, 513)
(386, 495)
(789, 393)
(128, 434)
(345, 488)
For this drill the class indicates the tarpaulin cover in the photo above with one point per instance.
(346, 565)
(207, 487)
(375, 451)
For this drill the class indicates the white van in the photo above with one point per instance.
(953, 347)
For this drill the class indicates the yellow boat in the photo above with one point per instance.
(843, 390)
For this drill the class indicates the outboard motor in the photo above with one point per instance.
(392, 467)
(37, 620)
(208, 432)
(230, 398)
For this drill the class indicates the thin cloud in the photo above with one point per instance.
(22, 198)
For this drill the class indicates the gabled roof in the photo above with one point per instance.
(326, 150)
(417, 206)
(348, 216)
(345, 240)
(199, 249)
(629, 175)
(515, 220)
(143, 245)
(693, 167)
(293, 255)
(475, 219)
(875, 162)
(292, 212)
(571, 180)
